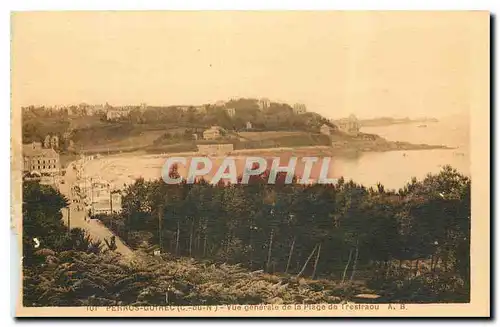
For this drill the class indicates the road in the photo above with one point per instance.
(94, 227)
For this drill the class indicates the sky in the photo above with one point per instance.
(367, 63)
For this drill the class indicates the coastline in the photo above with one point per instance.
(346, 150)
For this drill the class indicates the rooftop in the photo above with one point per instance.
(28, 151)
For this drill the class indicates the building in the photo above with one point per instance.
(115, 113)
(183, 108)
(231, 112)
(101, 196)
(326, 130)
(215, 149)
(51, 142)
(46, 142)
(54, 142)
(220, 103)
(38, 159)
(107, 204)
(212, 133)
(299, 108)
(264, 104)
(349, 125)
(249, 125)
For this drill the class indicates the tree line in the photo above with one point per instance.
(65, 267)
(279, 116)
(255, 244)
(38, 121)
(344, 231)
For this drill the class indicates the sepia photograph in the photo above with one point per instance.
(251, 163)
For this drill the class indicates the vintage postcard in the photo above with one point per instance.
(251, 164)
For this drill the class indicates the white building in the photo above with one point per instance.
(212, 133)
(183, 108)
(115, 114)
(231, 112)
(249, 125)
(264, 104)
(299, 108)
(349, 125)
(54, 142)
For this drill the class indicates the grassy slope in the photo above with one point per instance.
(120, 137)
(93, 136)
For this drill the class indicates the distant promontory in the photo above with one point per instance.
(385, 121)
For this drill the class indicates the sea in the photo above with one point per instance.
(396, 168)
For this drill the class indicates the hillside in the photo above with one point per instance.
(158, 129)
(180, 129)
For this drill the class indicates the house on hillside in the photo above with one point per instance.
(183, 108)
(51, 142)
(249, 125)
(349, 125)
(220, 103)
(46, 141)
(231, 112)
(54, 142)
(116, 113)
(212, 133)
(299, 108)
(264, 104)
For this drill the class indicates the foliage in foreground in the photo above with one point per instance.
(74, 278)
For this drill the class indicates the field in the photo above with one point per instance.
(130, 143)
(112, 138)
